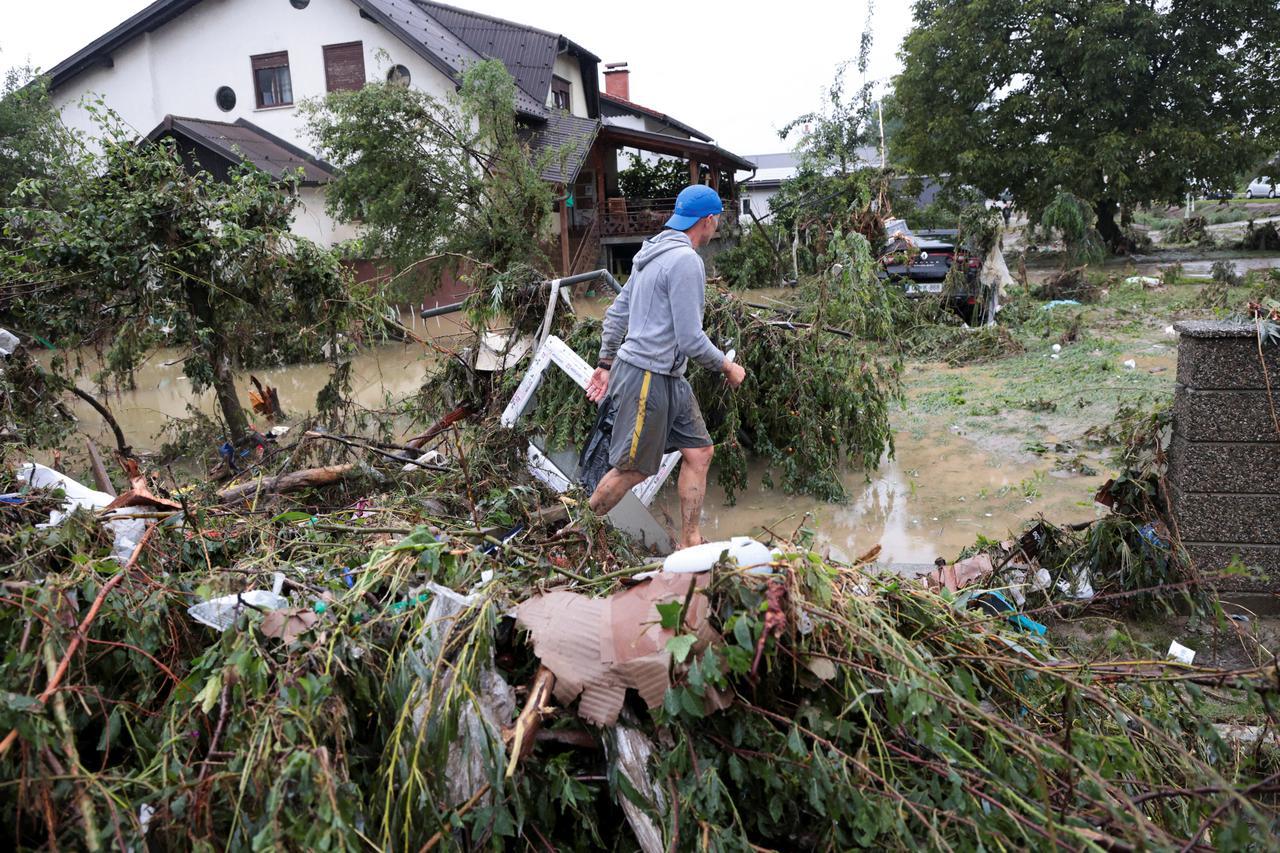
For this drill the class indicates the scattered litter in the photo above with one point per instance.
(125, 532)
(961, 574)
(8, 342)
(1055, 303)
(1130, 364)
(1181, 653)
(1170, 331)
(1057, 347)
(1143, 280)
(221, 613)
(749, 554)
(599, 647)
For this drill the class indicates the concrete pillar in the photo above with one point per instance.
(1225, 450)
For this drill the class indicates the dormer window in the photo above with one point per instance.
(271, 80)
(561, 93)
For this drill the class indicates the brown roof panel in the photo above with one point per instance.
(243, 141)
(569, 135)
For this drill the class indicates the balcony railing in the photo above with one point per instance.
(641, 217)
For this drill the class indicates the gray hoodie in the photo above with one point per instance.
(657, 318)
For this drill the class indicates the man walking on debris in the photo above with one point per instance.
(651, 331)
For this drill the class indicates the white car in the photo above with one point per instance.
(1262, 186)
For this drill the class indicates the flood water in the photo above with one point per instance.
(935, 497)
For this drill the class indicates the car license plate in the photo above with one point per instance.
(931, 287)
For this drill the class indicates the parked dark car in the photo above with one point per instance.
(919, 264)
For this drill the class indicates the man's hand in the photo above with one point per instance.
(733, 372)
(598, 385)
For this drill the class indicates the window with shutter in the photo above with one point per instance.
(344, 66)
(560, 93)
(271, 82)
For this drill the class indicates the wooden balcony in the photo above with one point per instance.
(644, 217)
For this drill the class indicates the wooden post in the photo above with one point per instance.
(597, 162)
(693, 171)
(715, 178)
(564, 232)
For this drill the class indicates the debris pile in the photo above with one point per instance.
(421, 676)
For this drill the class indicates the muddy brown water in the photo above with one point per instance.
(935, 497)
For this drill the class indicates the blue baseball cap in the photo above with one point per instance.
(692, 204)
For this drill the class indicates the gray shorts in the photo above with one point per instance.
(654, 414)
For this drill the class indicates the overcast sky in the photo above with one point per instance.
(734, 70)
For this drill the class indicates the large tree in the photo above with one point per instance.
(33, 140)
(126, 248)
(1119, 103)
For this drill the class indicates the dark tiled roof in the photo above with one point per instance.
(612, 105)
(528, 53)
(570, 137)
(243, 141)
(439, 44)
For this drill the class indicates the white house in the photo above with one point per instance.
(225, 78)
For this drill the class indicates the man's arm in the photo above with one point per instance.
(687, 285)
(612, 332)
(614, 327)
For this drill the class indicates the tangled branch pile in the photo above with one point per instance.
(375, 708)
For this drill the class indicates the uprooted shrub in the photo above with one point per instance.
(1261, 237)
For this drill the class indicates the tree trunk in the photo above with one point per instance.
(214, 348)
(1112, 236)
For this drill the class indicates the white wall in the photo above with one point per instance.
(567, 68)
(312, 220)
(759, 197)
(177, 68)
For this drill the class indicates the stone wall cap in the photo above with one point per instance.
(1215, 329)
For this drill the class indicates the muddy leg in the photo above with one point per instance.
(611, 489)
(692, 486)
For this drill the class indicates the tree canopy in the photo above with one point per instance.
(1118, 103)
(165, 257)
(32, 138)
(426, 176)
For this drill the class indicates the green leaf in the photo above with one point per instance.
(208, 695)
(681, 646)
(292, 516)
(670, 614)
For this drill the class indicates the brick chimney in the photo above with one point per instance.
(617, 80)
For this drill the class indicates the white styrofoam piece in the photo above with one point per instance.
(1181, 653)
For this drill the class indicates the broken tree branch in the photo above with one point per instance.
(530, 719)
(326, 475)
(121, 445)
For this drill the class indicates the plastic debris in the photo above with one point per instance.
(125, 532)
(1181, 653)
(8, 342)
(221, 613)
(1143, 280)
(600, 647)
(1057, 347)
(1056, 303)
(1130, 364)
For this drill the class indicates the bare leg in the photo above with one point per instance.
(692, 486)
(611, 489)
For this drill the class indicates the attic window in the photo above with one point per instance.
(560, 93)
(344, 66)
(271, 81)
